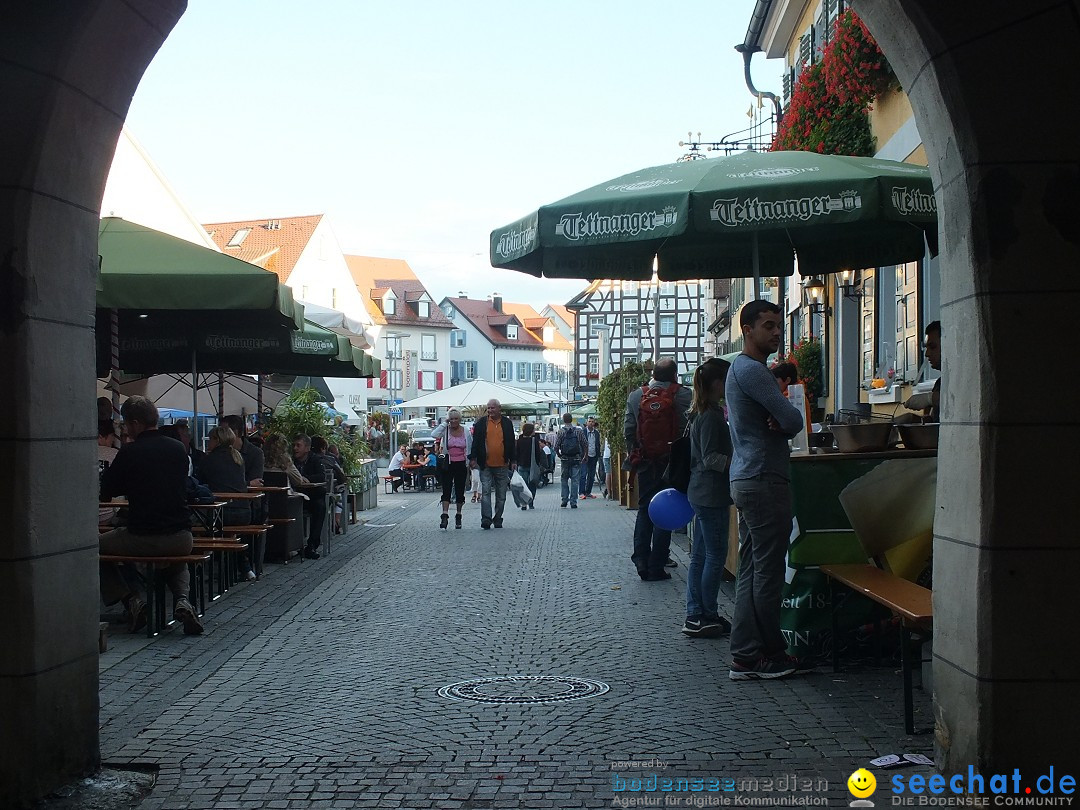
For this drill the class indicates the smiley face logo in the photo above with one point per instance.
(862, 783)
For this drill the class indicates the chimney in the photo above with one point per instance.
(496, 301)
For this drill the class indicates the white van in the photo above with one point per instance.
(408, 425)
(552, 422)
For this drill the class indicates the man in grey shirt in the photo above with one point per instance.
(761, 421)
(651, 544)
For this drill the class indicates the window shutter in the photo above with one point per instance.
(383, 379)
(438, 381)
(787, 85)
(370, 382)
(806, 48)
(420, 380)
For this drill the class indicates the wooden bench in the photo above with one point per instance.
(156, 585)
(388, 484)
(224, 562)
(912, 603)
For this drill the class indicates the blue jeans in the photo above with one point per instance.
(707, 555)
(570, 474)
(588, 475)
(651, 544)
(764, 505)
(493, 480)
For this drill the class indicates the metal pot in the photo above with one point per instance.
(866, 438)
(919, 437)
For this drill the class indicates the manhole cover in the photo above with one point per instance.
(524, 690)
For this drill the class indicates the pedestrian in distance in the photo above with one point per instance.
(761, 421)
(493, 454)
(709, 494)
(457, 445)
(594, 445)
(530, 460)
(570, 447)
(656, 415)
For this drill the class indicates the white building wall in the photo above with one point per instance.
(137, 191)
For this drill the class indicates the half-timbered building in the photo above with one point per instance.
(619, 321)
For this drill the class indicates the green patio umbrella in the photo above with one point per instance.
(145, 270)
(738, 216)
(160, 342)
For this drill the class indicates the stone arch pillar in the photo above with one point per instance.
(68, 70)
(993, 86)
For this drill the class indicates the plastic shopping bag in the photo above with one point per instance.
(521, 491)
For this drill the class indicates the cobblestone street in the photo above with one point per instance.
(319, 686)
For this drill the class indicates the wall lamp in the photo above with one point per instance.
(814, 294)
(849, 284)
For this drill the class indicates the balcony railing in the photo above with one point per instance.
(429, 355)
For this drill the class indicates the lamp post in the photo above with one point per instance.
(393, 346)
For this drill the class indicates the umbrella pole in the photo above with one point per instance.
(114, 360)
(220, 394)
(194, 401)
(756, 255)
(258, 399)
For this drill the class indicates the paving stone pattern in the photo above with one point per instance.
(317, 687)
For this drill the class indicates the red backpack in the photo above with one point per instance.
(658, 421)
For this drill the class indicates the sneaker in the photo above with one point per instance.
(671, 563)
(136, 614)
(693, 626)
(800, 664)
(484, 524)
(593, 497)
(562, 505)
(184, 613)
(524, 509)
(762, 669)
(251, 576)
(573, 506)
(497, 523)
(657, 577)
(311, 554)
(582, 497)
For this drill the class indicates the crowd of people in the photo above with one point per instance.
(491, 460)
(159, 472)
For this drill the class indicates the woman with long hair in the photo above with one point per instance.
(709, 494)
(222, 470)
(277, 459)
(456, 442)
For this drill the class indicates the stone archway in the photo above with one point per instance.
(68, 71)
(1005, 550)
(1006, 539)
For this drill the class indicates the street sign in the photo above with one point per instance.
(395, 411)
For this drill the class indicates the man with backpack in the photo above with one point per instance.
(570, 447)
(656, 415)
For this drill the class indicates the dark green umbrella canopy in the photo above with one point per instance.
(731, 217)
(161, 341)
(143, 269)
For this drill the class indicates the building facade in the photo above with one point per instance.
(506, 343)
(620, 321)
(410, 333)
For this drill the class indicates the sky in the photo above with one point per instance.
(419, 127)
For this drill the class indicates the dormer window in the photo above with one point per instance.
(511, 331)
(239, 237)
(389, 304)
(423, 309)
(549, 334)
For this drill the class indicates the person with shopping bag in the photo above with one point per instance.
(530, 460)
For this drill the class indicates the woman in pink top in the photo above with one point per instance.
(456, 442)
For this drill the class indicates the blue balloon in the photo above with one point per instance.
(670, 509)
